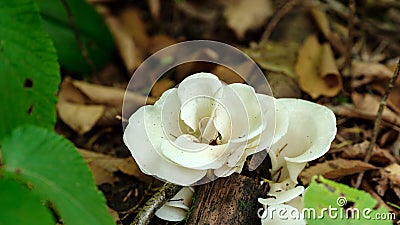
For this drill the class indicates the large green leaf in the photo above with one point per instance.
(29, 72)
(56, 172)
(19, 206)
(323, 194)
(90, 27)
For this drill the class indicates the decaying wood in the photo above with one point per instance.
(230, 200)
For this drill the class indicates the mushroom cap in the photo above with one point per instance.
(176, 208)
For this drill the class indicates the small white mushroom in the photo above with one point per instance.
(176, 208)
(312, 128)
(279, 209)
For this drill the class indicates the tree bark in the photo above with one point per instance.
(231, 201)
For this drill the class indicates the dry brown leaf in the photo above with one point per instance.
(369, 105)
(283, 86)
(115, 215)
(316, 69)
(333, 169)
(154, 6)
(393, 173)
(358, 151)
(227, 75)
(161, 86)
(68, 92)
(132, 22)
(244, 15)
(110, 95)
(125, 44)
(365, 72)
(158, 42)
(104, 166)
(278, 57)
(81, 118)
(393, 100)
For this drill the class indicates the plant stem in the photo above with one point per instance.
(166, 192)
(378, 120)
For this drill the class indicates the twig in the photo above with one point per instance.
(285, 9)
(378, 120)
(165, 193)
(348, 62)
(81, 46)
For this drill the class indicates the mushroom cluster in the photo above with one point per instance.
(205, 129)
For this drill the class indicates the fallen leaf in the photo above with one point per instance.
(104, 166)
(358, 151)
(366, 72)
(227, 75)
(110, 95)
(393, 173)
(349, 110)
(161, 86)
(244, 15)
(155, 7)
(275, 56)
(125, 44)
(132, 22)
(393, 100)
(369, 104)
(333, 169)
(158, 42)
(283, 86)
(81, 118)
(316, 69)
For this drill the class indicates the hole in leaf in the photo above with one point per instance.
(30, 109)
(28, 83)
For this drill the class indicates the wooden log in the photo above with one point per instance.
(230, 201)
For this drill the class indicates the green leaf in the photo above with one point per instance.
(19, 206)
(56, 172)
(90, 26)
(29, 71)
(323, 194)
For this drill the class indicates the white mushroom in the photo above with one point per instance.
(312, 128)
(177, 207)
(279, 210)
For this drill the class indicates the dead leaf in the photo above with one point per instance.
(393, 100)
(358, 151)
(366, 72)
(244, 15)
(158, 42)
(283, 86)
(110, 95)
(369, 105)
(81, 118)
(132, 22)
(227, 75)
(348, 110)
(333, 169)
(275, 56)
(155, 7)
(393, 173)
(126, 46)
(104, 166)
(115, 215)
(161, 86)
(316, 69)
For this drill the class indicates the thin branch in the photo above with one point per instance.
(280, 13)
(165, 193)
(81, 46)
(378, 120)
(352, 7)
